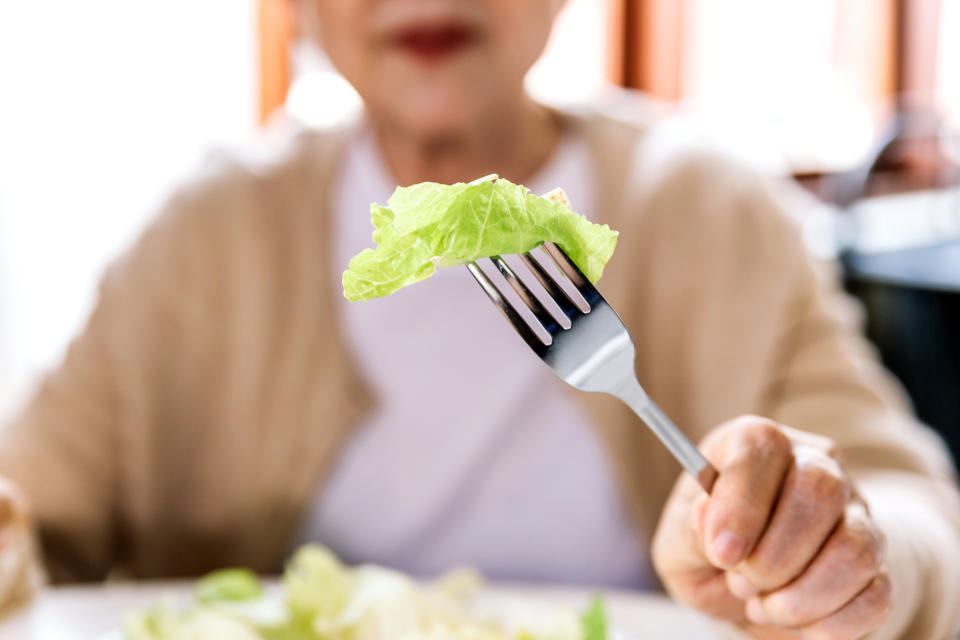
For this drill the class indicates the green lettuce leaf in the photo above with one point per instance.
(318, 588)
(164, 623)
(228, 585)
(430, 225)
(593, 621)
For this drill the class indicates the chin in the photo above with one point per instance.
(437, 109)
(437, 121)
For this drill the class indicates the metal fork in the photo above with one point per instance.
(595, 353)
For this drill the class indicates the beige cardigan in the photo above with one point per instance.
(202, 406)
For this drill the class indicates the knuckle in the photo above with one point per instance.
(749, 420)
(821, 484)
(862, 549)
(831, 449)
(766, 439)
(872, 607)
(880, 595)
(869, 559)
(767, 572)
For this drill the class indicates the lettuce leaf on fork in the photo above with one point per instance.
(430, 225)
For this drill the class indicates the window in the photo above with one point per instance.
(948, 63)
(788, 83)
(799, 87)
(574, 65)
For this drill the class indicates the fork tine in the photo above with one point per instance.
(563, 300)
(521, 326)
(569, 269)
(545, 317)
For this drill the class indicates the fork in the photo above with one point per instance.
(594, 353)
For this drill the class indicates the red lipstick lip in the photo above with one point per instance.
(434, 41)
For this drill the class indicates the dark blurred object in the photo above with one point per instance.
(915, 323)
(917, 151)
(911, 293)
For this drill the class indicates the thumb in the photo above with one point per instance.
(699, 513)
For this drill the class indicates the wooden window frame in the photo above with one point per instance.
(647, 43)
(274, 39)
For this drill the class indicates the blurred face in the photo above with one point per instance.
(436, 67)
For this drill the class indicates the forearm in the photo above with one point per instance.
(920, 517)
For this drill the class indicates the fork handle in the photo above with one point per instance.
(676, 442)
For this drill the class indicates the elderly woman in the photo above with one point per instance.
(225, 403)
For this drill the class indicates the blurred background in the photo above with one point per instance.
(856, 100)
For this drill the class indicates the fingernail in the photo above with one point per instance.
(728, 548)
(755, 612)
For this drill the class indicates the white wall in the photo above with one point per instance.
(103, 105)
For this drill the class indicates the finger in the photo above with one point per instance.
(811, 503)
(865, 613)
(739, 586)
(850, 559)
(705, 591)
(755, 461)
(676, 545)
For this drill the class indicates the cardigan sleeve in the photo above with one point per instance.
(826, 378)
(64, 449)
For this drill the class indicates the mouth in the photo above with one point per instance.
(433, 42)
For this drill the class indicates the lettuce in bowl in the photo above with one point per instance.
(325, 600)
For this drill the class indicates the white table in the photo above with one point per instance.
(86, 613)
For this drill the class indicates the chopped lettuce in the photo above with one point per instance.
(228, 585)
(165, 623)
(318, 589)
(593, 621)
(430, 225)
(327, 601)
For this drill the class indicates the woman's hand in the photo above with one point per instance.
(783, 546)
(15, 560)
(14, 516)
